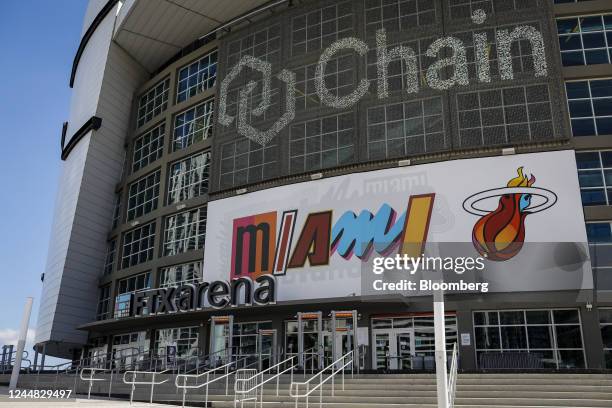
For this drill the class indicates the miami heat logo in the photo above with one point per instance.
(500, 233)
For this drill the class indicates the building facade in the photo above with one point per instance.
(211, 142)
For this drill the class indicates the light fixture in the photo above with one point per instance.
(241, 191)
(403, 163)
(316, 176)
(507, 151)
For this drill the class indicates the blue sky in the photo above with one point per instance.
(38, 42)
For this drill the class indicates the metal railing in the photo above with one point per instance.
(9, 361)
(152, 383)
(452, 378)
(227, 372)
(91, 379)
(245, 388)
(336, 367)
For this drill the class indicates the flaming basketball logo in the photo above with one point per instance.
(500, 233)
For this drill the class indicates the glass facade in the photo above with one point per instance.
(180, 274)
(590, 106)
(184, 338)
(502, 116)
(143, 195)
(138, 245)
(153, 102)
(321, 143)
(104, 302)
(553, 336)
(585, 40)
(111, 251)
(408, 128)
(595, 177)
(398, 15)
(197, 77)
(245, 161)
(185, 232)
(125, 288)
(320, 28)
(193, 125)
(148, 147)
(481, 115)
(189, 178)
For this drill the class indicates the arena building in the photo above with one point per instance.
(230, 171)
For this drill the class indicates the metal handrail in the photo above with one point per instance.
(322, 380)
(152, 383)
(227, 368)
(452, 378)
(310, 355)
(91, 379)
(238, 389)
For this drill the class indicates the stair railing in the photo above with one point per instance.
(452, 378)
(311, 356)
(336, 367)
(244, 387)
(227, 372)
(91, 379)
(133, 382)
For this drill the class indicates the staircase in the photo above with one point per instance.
(394, 390)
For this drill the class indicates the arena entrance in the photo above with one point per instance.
(253, 342)
(319, 341)
(407, 342)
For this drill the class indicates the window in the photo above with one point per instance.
(554, 335)
(463, 9)
(585, 40)
(245, 338)
(185, 339)
(244, 161)
(125, 288)
(254, 99)
(153, 102)
(321, 143)
(197, 77)
(398, 15)
(185, 231)
(143, 195)
(396, 70)
(403, 129)
(189, 178)
(116, 211)
(264, 44)
(605, 320)
(104, 299)
(338, 80)
(193, 125)
(148, 147)
(320, 28)
(590, 107)
(138, 245)
(505, 116)
(180, 274)
(595, 177)
(111, 250)
(599, 235)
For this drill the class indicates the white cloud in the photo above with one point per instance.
(11, 336)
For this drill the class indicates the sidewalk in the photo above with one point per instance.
(5, 401)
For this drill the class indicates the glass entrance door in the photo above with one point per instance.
(404, 350)
(267, 348)
(333, 352)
